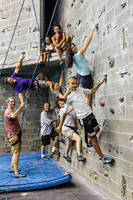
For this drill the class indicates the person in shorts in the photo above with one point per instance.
(47, 130)
(14, 134)
(77, 99)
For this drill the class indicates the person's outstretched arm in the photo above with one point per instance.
(16, 113)
(61, 79)
(59, 128)
(95, 88)
(19, 64)
(88, 40)
(64, 96)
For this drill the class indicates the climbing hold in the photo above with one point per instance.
(121, 99)
(103, 33)
(95, 175)
(106, 173)
(112, 110)
(123, 5)
(121, 152)
(101, 102)
(111, 61)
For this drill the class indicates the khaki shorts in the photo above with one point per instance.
(15, 143)
(68, 132)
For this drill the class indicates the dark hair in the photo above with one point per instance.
(69, 56)
(72, 77)
(6, 79)
(57, 100)
(56, 24)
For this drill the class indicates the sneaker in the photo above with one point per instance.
(67, 158)
(81, 158)
(44, 158)
(61, 140)
(12, 171)
(106, 160)
(18, 175)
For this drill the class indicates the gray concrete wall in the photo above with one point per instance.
(26, 38)
(115, 39)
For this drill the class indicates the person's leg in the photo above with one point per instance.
(42, 150)
(77, 138)
(58, 51)
(68, 147)
(96, 146)
(15, 162)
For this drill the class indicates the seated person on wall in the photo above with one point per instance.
(78, 100)
(20, 84)
(47, 130)
(69, 130)
(60, 40)
(47, 50)
(14, 134)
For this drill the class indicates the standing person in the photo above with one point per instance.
(78, 100)
(59, 40)
(73, 55)
(47, 130)
(14, 134)
(47, 50)
(20, 84)
(69, 129)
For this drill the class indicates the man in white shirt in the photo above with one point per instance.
(78, 100)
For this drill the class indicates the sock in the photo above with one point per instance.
(53, 149)
(42, 155)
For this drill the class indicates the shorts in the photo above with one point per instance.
(68, 132)
(15, 143)
(45, 139)
(85, 81)
(90, 126)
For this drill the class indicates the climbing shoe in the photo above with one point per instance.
(44, 158)
(18, 175)
(106, 160)
(67, 158)
(81, 158)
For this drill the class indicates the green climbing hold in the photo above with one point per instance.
(111, 61)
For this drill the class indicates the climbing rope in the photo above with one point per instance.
(12, 37)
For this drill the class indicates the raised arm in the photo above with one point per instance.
(64, 96)
(61, 79)
(95, 88)
(16, 113)
(88, 40)
(19, 64)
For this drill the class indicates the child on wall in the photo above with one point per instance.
(47, 50)
(69, 130)
(59, 40)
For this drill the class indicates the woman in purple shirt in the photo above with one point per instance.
(20, 84)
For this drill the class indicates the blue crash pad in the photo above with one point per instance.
(40, 173)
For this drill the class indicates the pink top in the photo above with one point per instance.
(60, 37)
(12, 125)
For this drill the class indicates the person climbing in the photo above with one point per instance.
(60, 40)
(55, 89)
(81, 63)
(47, 50)
(20, 84)
(47, 130)
(69, 129)
(77, 99)
(14, 134)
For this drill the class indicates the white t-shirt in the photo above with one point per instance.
(79, 102)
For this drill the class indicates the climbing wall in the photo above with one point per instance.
(26, 38)
(111, 53)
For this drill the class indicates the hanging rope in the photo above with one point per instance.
(12, 36)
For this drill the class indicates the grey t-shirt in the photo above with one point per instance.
(79, 102)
